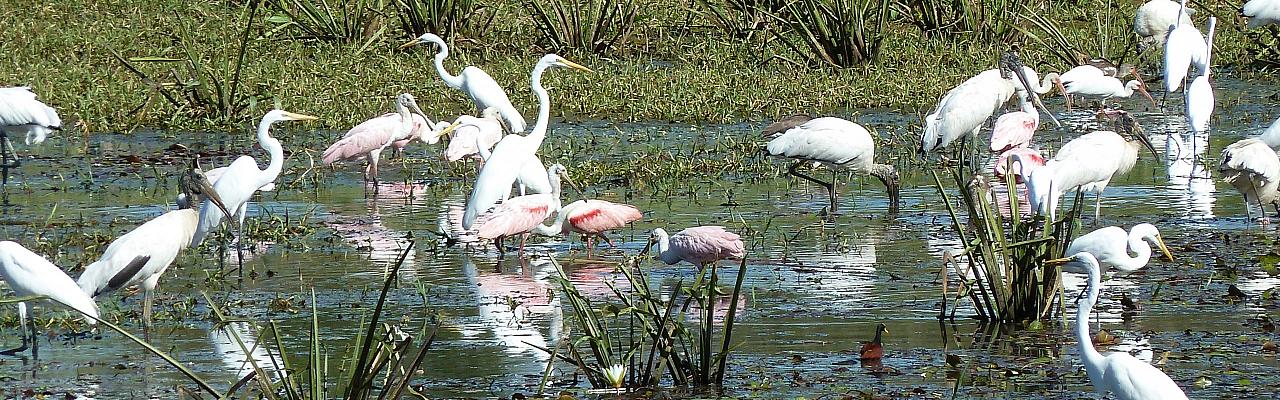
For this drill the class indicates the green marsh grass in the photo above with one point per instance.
(344, 21)
(834, 33)
(582, 27)
(442, 17)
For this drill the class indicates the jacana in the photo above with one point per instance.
(873, 350)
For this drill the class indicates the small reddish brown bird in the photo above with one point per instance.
(873, 350)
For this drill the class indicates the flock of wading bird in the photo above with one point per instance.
(509, 162)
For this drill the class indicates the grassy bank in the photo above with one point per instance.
(674, 65)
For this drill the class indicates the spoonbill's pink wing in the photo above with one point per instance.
(595, 216)
(516, 215)
(704, 244)
(364, 138)
(1013, 129)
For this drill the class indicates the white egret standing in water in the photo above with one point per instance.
(483, 90)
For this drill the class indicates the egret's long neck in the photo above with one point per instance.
(1142, 250)
(556, 226)
(1092, 359)
(274, 149)
(539, 131)
(406, 125)
(453, 81)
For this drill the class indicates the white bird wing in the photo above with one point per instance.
(533, 175)
(833, 141)
(29, 274)
(159, 239)
(1095, 155)
(1271, 136)
(969, 105)
(1250, 159)
(463, 144)
(486, 92)
(1261, 12)
(235, 186)
(493, 183)
(1200, 102)
(1184, 45)
(20, 109)
(1130, 378)
(1097, 85)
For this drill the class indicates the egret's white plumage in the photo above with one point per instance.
(511, 153)
(29, 274)
(1199, 99)
(1271, 136)
(1151, 22)
(477, 84)
(237, 184)
(22, 114)
(1261, 12)
(522, 214)
(1183, 47)
(1111, 246)
(1253, 168)
(839, 144)
(1117, 373)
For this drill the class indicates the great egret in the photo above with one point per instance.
(509, 155)
(1253, 168)
(22, 114)
(590, 218)
(1117, 373)
(874, 350)
(1261, 12)
(522, 214)
(142, 255)
(477, 84)
(242, 179)
(1090, 81)
(29, 274)
(1087, 162)
(1154, 18)
(1111, 246)
(1199, 99)
(1183, 47)
(838, 144)
(699, 245)
(967, 106)
(1015, 129)
(369, 138)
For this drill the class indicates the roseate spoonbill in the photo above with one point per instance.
(1024, 161)
(511, 153)
(1261, 12)
(242, 179)
(874, 350)
(29, 274)
(1253, 168)
(1015, 129)
(470, 135)
(369, 138)
(477, 84)
(590, 218)
(1087, 162)
(1111, 246)
(1153, 19)
(22, 114)
(838, 144)
(142, 255)
(699, 245)
(1118, 373)
(522, 214)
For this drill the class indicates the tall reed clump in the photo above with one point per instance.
(634, 345)
(341, 21)
(442, 17)
(208, 84)
(582, 27)
(1002, 266)
(1112, 38)
(834, 33)
(979, 19)
(742, 19)
(378, 364)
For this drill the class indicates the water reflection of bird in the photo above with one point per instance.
(142, 255)
(1111, 246)
(243, 178)
(226, 342)
(384, 245)
(477, 84)
(1151, 22)
(1118, 373)
(1189, 177)
(1253, 168)
(517, 307)
(838, 144)
(29, 274)
(22, 114)
(498, 174)
(590, 218)
(699, 245)
(874, 350)
(368, 139)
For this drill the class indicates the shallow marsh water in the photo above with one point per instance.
(814, 290)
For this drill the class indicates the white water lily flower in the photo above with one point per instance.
(614, 374)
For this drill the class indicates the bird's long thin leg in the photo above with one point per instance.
(240, 247)
(831, 189)
(590, 246)
(607, 240)
(501, 249)
(35, 342)
(146, 309)
(1097, 207)
(4, 159)
(22, 323)
(523, 237)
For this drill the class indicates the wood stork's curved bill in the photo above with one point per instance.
(1035, 98)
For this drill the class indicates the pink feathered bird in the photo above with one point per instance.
(699, 245)
(522, 214)
(368, 139)
(591, 218)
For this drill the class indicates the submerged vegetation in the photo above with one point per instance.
(218, 64)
